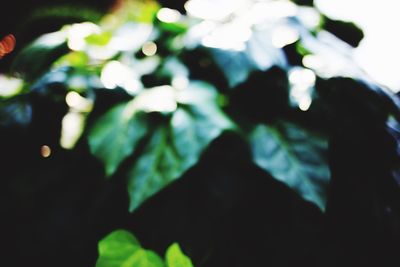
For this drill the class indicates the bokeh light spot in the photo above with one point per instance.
(168, 15)
(149, 49)
(7, 45)
(305, 103)
(45, 151)
(72, 129)
(77, 102)
(284, 35)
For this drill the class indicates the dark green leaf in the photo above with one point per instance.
(176, 258)
(294, 156)
(347, 103)
(116, 134)
(176, 147)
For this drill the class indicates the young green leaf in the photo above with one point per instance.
(295, 157)
(122, 249)
(117, 249)
(143, 258)
(175, 257)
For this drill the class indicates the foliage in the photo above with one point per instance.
(121, 248)
(108, 56)
(149, 89)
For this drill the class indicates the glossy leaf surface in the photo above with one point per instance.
(295, 157)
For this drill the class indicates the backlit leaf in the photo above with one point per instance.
(116, 249)
(176, 258)
(122, 249)
(144, 258)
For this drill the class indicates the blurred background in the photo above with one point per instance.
(244, 130)
(378, 52)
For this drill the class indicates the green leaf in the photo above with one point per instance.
(175, 257)
(116, 134)
(75, 59)
(99, 39)
(295, 157)
(37, 58)
(122, 249)
(143, 258)
(143, 11)
(176, 147)
(117, 249)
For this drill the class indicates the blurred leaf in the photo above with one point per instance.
(347, 103)
(295, 157)
(176, 147)
(143, 11)
(259, 54)
(175, 27)
(116, 249)
(75, 59)
(36, 59)
(100, 39)
(176, 258)
(15, 112)
(236, 66)
(121, 249)
(144, 258)
(300, 49)
(115, 135)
